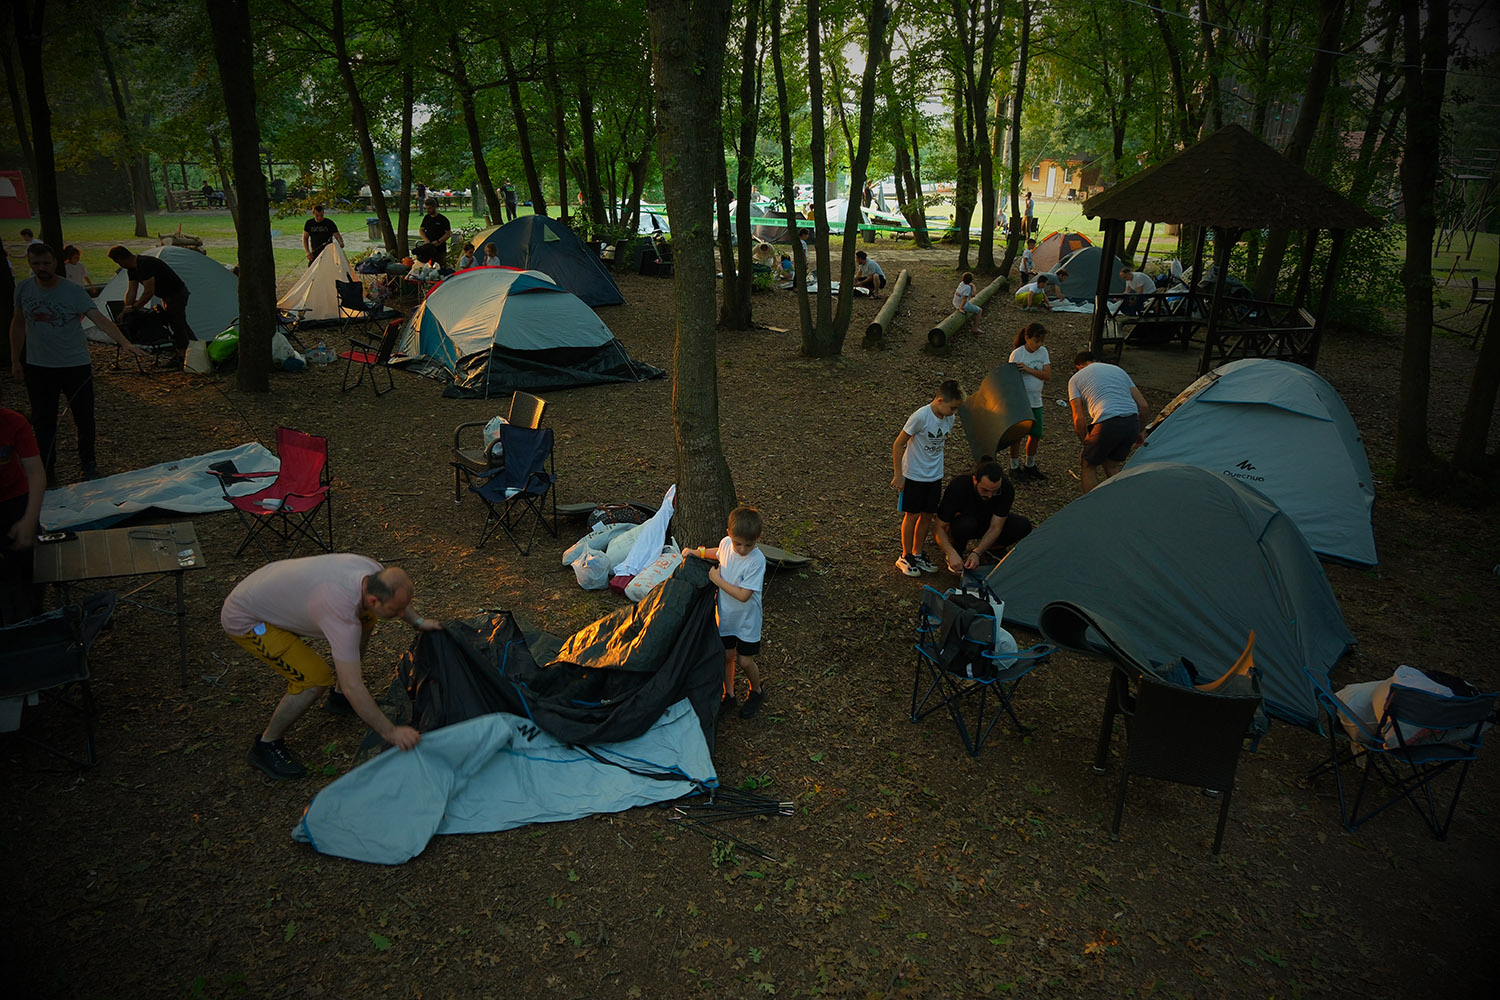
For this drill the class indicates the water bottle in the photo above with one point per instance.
(324, 354)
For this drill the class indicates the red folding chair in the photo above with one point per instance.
(289, 506)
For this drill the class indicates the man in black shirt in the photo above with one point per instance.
(510, 200)
(435, 233)
(976, 508)
(156, 279)
(317, 233)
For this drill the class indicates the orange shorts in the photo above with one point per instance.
(291, 657)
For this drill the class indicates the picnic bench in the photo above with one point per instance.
(178, 201)
(1162, 317)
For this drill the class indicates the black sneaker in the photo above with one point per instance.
(91, 472)
(338, 704)
(276, 761)
(1018, 474)
(1032, 472)
(727, 706)
(752, 703)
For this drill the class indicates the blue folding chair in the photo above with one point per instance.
(958, 669)
(48, 657)
(1408, 766)
(519, 490)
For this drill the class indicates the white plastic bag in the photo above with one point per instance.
(620, 545)
(493, 452)
(281, 348)
(591, 567)
(654, 574)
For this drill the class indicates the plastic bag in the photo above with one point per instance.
(224, 346)
(494, 451)
(654, 574)
(591, 567)
(281, 350)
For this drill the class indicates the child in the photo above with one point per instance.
(75, 271)
(917, 455)
(1027, 262)
(491, 255)
(1035, 296)
(963, 300)
(466, 258)
(1036, 367)
(739, 574)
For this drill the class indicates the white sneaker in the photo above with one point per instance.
(921, 562)
(907, 567)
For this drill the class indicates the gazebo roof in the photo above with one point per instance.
(1229, 179)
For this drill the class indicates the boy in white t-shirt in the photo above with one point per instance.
(1035, 364)
(917, 456)
(739, 575)
(963, 300)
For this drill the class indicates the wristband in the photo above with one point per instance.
(418, 623)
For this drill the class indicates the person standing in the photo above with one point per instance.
(339, 598)
(510, 200)
(23, 480)
(1108, 414)
(155, 278)
(739, 572)
(917, 458)
(317, 233)
(435, 232)
(1031, 359)
(50, 354)
(7, 301)
(1030, 216)
(75, 271)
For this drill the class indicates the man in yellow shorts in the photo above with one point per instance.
(334, 597)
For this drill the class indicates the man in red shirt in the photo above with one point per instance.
(23, 480)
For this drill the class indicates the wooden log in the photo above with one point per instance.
(939, 336)
(875, 332)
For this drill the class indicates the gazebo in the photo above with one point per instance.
(1229, 182)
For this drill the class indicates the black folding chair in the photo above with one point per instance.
(1452, 732)
(371, 357)
(958, 669)
(521, 489)
(47, 657)
(354, 308)
(474, 458)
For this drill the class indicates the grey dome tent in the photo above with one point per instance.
(540, 243)
(498, 330)
(1186, 563)
(1083, 274)
(1284, 430)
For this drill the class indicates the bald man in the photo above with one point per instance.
(338, 598)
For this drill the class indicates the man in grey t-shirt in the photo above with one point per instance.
(49, 353)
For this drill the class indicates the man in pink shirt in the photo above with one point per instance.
(335, 597)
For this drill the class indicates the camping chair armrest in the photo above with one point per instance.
(226, 473)
(458, 431)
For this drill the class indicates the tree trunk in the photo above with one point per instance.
(736, 311)
(361, 122)
(128, 156)
(1426, 60)
(1474, 425)
(593, 191)
(793, 221)
(29, 15)
(819, 339)
(523, 129)
(493, 205)
(226, 178)
(234, 51)
(559, 132)
(1325, 56)
(687, 52)
(1017, 98)
(408, 182)
(18, 108)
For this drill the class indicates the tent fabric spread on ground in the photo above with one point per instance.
(213, 291)
(519, 730)
(498, 330)
(541, 243)
(1284, 430)
(1186, 563)
(183, 486)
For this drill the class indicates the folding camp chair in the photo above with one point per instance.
(471, 458)
(354, 308)
(371, 357)
(520, 489)
(1419, 737)
(48, 657)
(957, 667)
(1176, 733)
(146, 329)
(289, 506)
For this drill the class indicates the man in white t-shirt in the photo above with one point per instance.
(1138, 285)
(917, 457)
(337, 597)
(1108, 414)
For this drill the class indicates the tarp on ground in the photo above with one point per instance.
(1284, 430)
(213, 291)
(498, 330)
(541, 243)
(1187, 563)
(622, 714)
(182, 486)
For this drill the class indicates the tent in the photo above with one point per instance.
(498, 330)
(1082, 281)
(213, 290)
(315, 290)
(539, 243)
(1283, 429)
(1054, 247)
(1187, 563)
(522, 728)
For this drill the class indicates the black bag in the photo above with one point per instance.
(145, 329)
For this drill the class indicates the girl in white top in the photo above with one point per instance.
(491, 255)
(1035, 365)
(963, 300)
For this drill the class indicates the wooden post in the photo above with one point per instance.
(1304, 270)
(1224, 241)
(1114, 237)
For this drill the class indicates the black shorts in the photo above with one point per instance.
(741, 646)
(919, 497)
(1110, 440)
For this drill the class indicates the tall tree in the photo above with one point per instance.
(735, 244)
(29, 16)
(235, 53)
(688, 39)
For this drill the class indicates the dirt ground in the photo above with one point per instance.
(908, 869)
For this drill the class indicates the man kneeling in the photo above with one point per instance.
(975, 509)
(336, 597)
